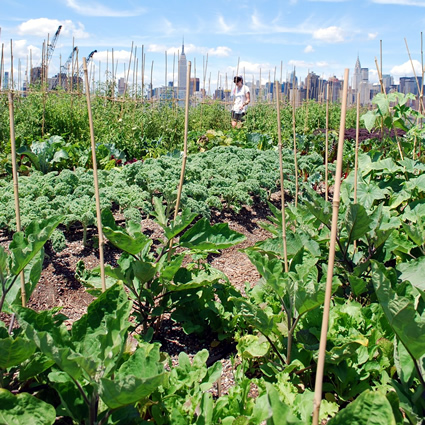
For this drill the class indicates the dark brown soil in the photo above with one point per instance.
(58, 286)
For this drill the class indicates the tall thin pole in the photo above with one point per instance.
(327, 143)
(282, 192)
(328, 292)
(96, 182)
(15, 183)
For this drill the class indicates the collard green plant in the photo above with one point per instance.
(93, 372)
(26, 252)
(157, 280)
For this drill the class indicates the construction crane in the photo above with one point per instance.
(51, 46)
(40, 72)
(60, 78)
(88, 59)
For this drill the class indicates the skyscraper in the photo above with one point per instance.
(182, 74)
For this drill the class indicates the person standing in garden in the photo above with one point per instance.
(241, 98)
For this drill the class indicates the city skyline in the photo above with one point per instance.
(250, 37)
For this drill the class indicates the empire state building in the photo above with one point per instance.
(182, 74)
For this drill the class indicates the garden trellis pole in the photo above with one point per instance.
(294, 93)
(382, 120)
(184, 159)
(356, 157)
(327, 142)
(282, 191)
(96, 183)
(414, 73)
(186, 125)
(335, 204)
(15, 182)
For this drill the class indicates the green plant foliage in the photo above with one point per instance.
(24, 408)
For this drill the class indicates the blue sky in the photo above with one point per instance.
(267, 37)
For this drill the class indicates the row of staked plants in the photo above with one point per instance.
(127, 130)
(109, 369)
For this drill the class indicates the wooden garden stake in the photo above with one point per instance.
(356, 158)
(295, 139)
(327, 142)
(96, 183)
(282, 192)
(382, 122)
(328, 294)
(414, 73)
(186, 125)
(15, 184)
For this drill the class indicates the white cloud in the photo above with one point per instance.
(97, 9)
(331, 34)
(419, 3)
(308, 65)
(223, 27)
(106, 56)
(41, 27)
(221, 51)
(308, 49)
(406, 70)
(372, 35)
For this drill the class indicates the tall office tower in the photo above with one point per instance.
(364, 87)
(182, 74)
(357, 76)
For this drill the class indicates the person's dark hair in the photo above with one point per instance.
(237, 79)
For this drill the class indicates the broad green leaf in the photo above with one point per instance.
(407, 323)
(250, 346)
(254, 315)
(203, 236)
(416, 232)
(100, 335)
(270, 269)
(136, 379)
(368, 193)
(369, 119)
(15, 351)
(179, 224)
(357, 222)
(72, 401)
(281, 413)
(127, 243)
(345, 351)
(382, 101)
(51, 337)
(369, 408)
(25, 246)
(37, 364)
(413, 271)
(24, 409)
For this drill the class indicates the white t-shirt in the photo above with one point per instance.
(239, 96)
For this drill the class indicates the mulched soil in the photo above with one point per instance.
(59, 287)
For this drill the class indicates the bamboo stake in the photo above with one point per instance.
(328, 294)
(282, 192)
(184, 159)
(295, 139)
(15, 183)
(395, 132)
(186, 125)
(327, 143)
(414, 73)
(96, 183)
(356, 160)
